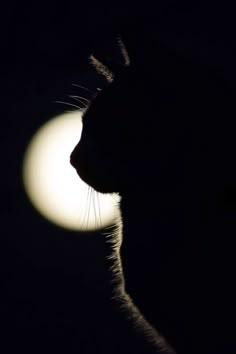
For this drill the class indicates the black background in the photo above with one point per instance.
(53, 281)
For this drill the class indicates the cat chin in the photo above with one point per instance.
(96, 185)
(100, 188)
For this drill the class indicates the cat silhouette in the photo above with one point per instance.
(160, 133)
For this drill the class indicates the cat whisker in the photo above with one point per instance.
(89, 206)
(99, 211)
(84, 88)
(86, 209)
(71, 111)
(69, 104)
(79, 100)
(91, 94)
(80, 97)
(94, 209)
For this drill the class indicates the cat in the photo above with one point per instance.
(152, 135)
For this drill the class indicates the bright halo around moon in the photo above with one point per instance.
(52, 184)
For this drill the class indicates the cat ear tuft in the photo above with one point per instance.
(124, 51)
(101, 68)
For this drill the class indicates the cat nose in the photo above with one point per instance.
(74, 156)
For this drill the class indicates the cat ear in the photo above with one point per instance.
(101, 68)
(124, 51)
(104, 70)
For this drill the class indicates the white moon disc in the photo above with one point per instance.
(53, 185)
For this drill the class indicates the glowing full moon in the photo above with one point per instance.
(53, 185)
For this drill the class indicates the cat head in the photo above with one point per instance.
(134, 129)
(116, 129)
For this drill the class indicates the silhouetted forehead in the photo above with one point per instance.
(123, 81)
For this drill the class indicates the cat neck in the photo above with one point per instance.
(147, 210)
